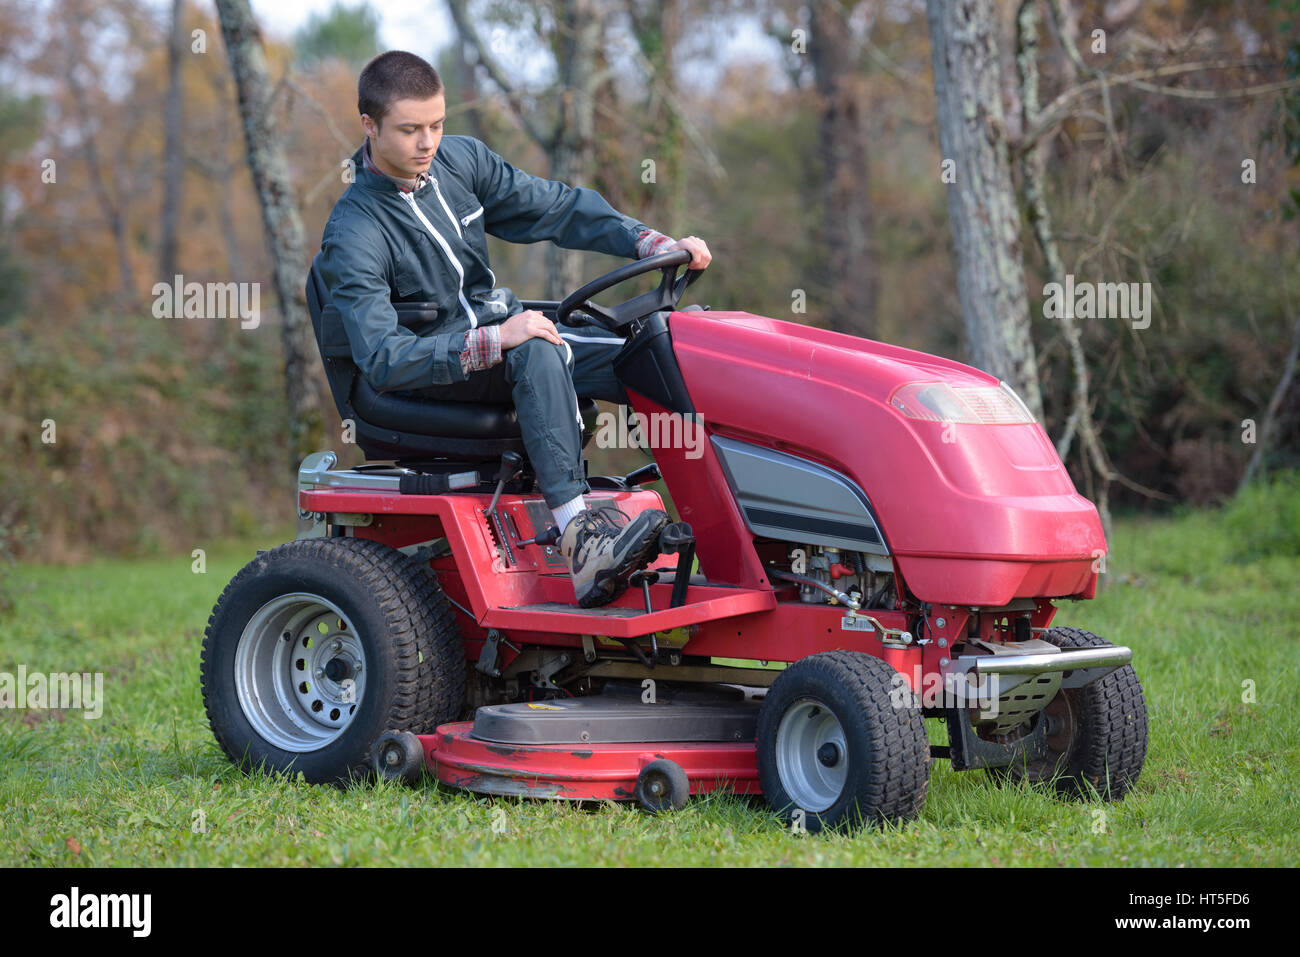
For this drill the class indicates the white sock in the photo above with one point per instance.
(569, 510)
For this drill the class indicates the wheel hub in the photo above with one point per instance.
(299, 672)
(828, 754)
(812, 755)
(338, 669)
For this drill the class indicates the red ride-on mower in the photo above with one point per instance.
(881, 537)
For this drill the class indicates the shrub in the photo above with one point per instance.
(1264, 519)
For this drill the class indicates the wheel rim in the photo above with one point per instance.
(300, 672)
(1058, 736)
(812, 756)
(1054, 728)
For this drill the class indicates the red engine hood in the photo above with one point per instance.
(998, 493)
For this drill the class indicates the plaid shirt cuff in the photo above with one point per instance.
(482, 349)
(650, 242)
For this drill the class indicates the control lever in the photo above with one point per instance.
(512, 464)
(548, 537)
(646, 473)
(645, 579)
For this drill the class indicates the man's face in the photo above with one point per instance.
(404, 144)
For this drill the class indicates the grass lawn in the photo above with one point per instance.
(1208, 601)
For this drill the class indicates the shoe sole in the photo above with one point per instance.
(610, 584)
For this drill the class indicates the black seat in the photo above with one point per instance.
(389, 426)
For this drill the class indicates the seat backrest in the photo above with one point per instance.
(332, 341)
(394, 427)
(421, 318)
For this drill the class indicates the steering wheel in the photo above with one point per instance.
(617, 318)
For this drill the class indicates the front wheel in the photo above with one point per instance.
(840, 746)
(1095, 736)
(317, 647)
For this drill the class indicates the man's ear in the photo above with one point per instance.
(370, 125)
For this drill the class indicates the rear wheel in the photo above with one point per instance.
(1096, 736)
(838, 746)
(319, 646)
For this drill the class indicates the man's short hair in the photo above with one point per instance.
(395, 75)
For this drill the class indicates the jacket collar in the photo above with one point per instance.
(372, 177)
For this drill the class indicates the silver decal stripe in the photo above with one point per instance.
(608, 340)
(577, 406)
(451, 257)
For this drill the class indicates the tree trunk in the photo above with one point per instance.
(851, 275)
(114, 209)
(1040, 220)
(563, 268)
(284, 233)
(470, 91)
(579, 34)
(580, 29)
(981, 201)
(174, 169)
(658, 29)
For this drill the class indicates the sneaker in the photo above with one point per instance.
(603, 547)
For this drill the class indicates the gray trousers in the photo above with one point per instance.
(544, 382)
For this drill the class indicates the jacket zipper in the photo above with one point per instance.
(460, 270)
(446, 208)
(466, 220)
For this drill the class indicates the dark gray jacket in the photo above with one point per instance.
(383, 245)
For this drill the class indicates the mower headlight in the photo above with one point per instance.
(970, 404)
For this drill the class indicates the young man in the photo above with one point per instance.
(413, 227)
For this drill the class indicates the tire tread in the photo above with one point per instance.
(425, 640)
(896, 791)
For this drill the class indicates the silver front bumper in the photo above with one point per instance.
(1022, 677)
(1043, 662)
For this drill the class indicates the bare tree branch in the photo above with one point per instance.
(465, 24)
(314, 103)
(1274, 404)
(711, 161)
(1059, 109)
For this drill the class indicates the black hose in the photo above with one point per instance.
(876, 598)
(814, 583)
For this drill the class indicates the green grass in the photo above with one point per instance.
(1203, 614)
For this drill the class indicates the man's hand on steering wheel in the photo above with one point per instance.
(699, 250)
(578, 308)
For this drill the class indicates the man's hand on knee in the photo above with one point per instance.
(526, 325)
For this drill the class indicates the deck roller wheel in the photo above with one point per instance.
(398, 756)
(662, 786)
